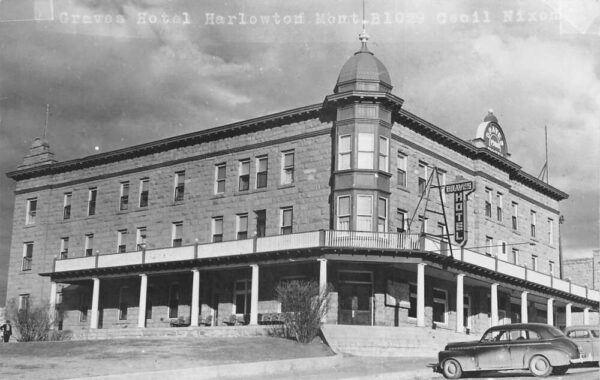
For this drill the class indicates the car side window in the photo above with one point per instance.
(532, 335)
(578, 334)
(495, 336)
(518, 335)
(596, 333)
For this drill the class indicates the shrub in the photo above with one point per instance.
(304, 306)
(34, 324)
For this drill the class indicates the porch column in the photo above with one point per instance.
(494, 304)
(421, 294)
(568, 320)
(550, 312)
(254, 296)
(323, 282)
(143, 296)
(322, 274)
(95, 302)
(460, 316)
(524, 316)
(586, 316)
(52, 310)
(195, 297)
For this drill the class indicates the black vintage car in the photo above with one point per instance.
(543, 349)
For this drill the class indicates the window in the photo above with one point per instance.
(179, 186)
(144, 192)
(89, 244)
(64, 248)
(27, 256)
(550, 231)
(515, 253)
(533, 222)
(23, 301)
(502, 249)
(499, 202)
(287, 216)
(31, 211)
(83, 307)
(261, 222)
(412, 294)
(364, 213)
(262, 167)
(124, 203)
(440, 306)
(149, 298)
(123, 303)
(515, 216)
(174, 301)
(424, 223)
(422, 177)
(534, 262)
(67, 205)
(140, 238)
(467, 311)
(345, 152)
(442, 177)
(287, 170)
(244, 175)
(242, 226)
(488, 203)
(401, 215)
(217, 229)
(489, 242)
(551, 267)
(122, 241)
(220, 172)
(241, 297)
(92, 194)
(177, 234)
(401, 169)
(366, 150)
(343, 213)
(384, 148)
(382, 215)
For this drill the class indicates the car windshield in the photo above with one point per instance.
(555, 332)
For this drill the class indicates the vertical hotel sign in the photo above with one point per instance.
(461, 191)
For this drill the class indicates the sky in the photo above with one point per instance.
(120, 73)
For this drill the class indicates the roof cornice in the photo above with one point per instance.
(263, 122)
(443, 137)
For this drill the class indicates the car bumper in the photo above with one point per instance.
(580, 360)
(435, 367)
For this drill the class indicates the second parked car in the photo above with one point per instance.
(588, 337)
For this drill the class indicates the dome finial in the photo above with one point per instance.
(490, 116)
(363, 36)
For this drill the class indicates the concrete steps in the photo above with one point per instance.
(128, 333)
(409, 340)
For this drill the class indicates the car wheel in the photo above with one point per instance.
(451, 369)
(540, 366)
(560, 370)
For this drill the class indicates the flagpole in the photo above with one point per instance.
(547, 166)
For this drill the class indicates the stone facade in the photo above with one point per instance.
(584, 271)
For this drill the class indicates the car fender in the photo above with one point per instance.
(464, 357)
(555, 357)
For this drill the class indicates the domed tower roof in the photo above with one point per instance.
(363, 72)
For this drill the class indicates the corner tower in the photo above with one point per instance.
(363, 107)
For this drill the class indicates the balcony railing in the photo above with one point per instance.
(318, 239)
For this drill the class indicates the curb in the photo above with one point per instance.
(250, 369)
(418, 374)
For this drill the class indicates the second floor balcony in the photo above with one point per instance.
(364, 243)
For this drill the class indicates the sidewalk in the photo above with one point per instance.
(332, 367)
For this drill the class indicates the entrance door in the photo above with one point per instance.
(355, 298)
